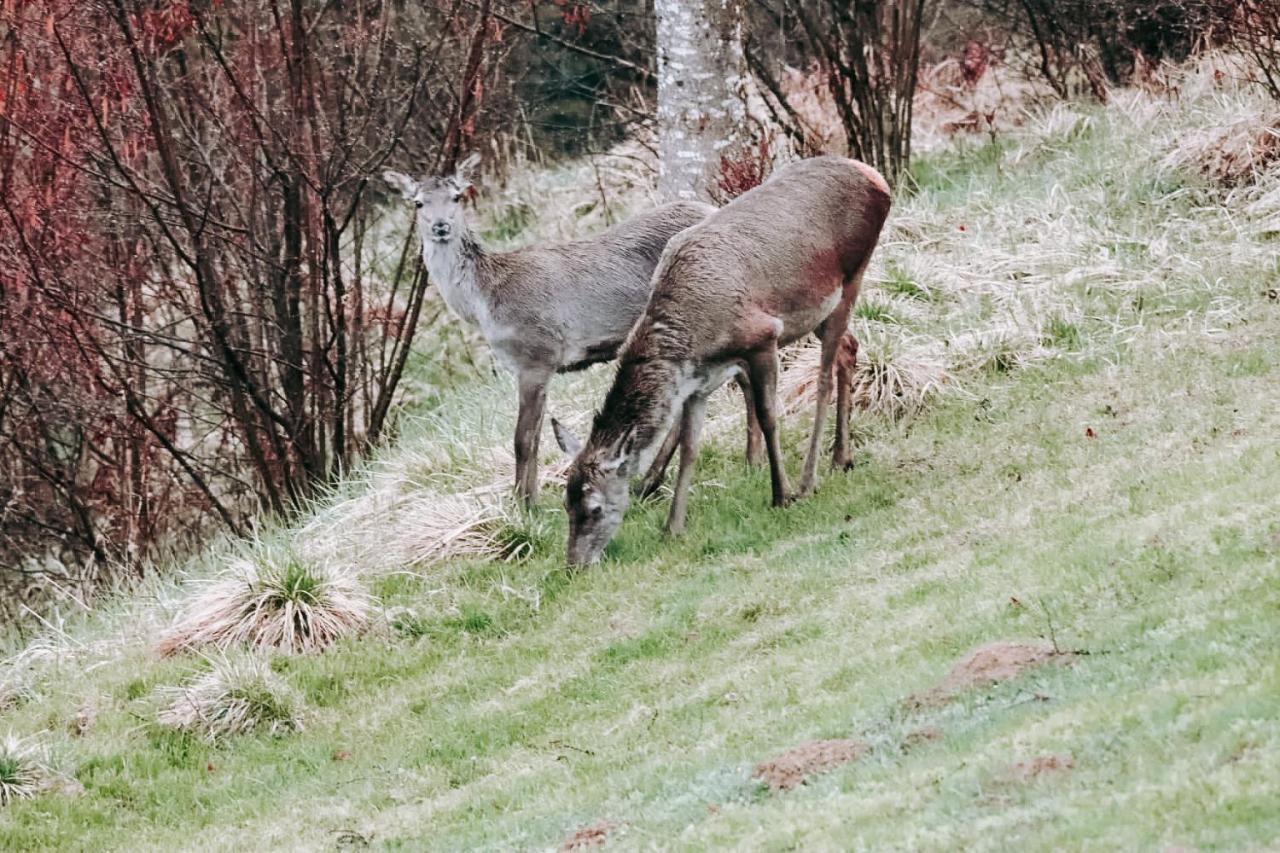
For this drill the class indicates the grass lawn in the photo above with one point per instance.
(1103, 476)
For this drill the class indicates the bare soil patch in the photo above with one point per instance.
(593, 835)
(1042, 765)
(920, 737)
(987, 665)
(796, 765)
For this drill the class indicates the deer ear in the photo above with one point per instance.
(408, 186)
(468, 166)
(462, 175)
(568, 441)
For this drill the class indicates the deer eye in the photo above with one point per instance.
(597, 512)
(418, 204)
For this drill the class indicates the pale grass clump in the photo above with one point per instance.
(572, 199)
(893, 379)
(21, 674)
(898, 376)
(23, 773)
(275, 601)
(382, 531)
(239, 694)
(15, 686)
(999, 348)
(1233, 154)
(445, 494)
(1230, 131)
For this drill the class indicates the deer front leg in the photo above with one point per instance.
(695, 410)
(846, 363)
(658, 470)
(755, 440)
(763, 367)
(755, 443)
(533, 400)
(831, 331)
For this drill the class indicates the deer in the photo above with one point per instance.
(545, 310)
(779, 262)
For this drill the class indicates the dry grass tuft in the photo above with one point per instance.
(998, 348)
(239, 694)
(277, 601)
(892, 379)
(14, 689)
(22, 772)
(896, 380)
(387, 529)
(1233, 154)
(573, 199)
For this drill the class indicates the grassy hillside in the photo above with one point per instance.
(1072, 332)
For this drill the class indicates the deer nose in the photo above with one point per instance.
(441, 230)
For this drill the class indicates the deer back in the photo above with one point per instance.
(774, 251)
(583, 297)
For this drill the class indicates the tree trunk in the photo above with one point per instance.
(701, 82)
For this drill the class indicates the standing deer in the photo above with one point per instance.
(775, 264)
(544, 310)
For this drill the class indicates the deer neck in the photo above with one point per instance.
(646, 398)
(456, 269)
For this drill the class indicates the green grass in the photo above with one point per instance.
(1115, 494)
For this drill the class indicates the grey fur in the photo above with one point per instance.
(777, 263)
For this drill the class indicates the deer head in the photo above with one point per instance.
(597, 493)
(438, 199)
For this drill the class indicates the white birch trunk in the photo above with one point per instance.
(701, 86)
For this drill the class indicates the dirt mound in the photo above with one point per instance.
(590, 836)
(793, 767)
(920, 737)
(987, 665)
(1042, 765)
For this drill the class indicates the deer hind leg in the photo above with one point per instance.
(695, 410)
(830, 332)
(763, 367)
(533, 400)
(846, 363)
(658, 469)
(755, 439)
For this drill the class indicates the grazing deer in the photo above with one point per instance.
(544, 310)
(775, 264)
